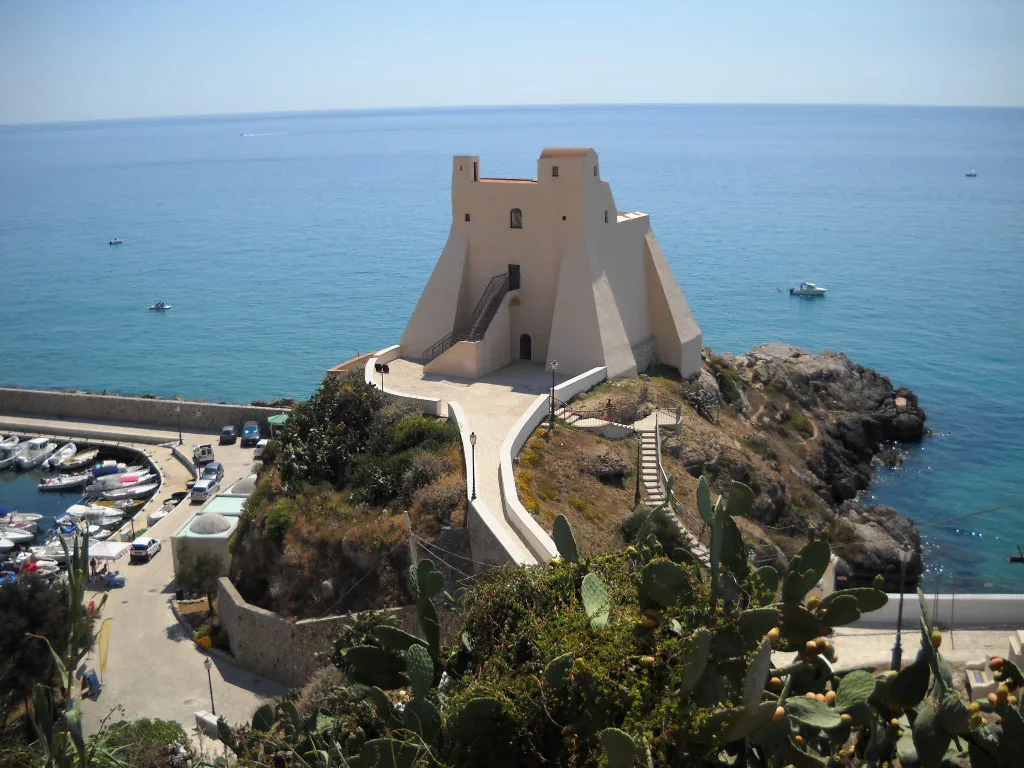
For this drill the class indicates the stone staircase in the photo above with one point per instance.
(650, 476)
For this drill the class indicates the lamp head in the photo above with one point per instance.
(554, 365)
(207, 662)
(472, 438)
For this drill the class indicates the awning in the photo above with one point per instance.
(279, 420)
(107, 550)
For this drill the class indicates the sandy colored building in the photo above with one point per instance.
(549, 269)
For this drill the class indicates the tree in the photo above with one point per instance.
(30, 609)
(199, 570)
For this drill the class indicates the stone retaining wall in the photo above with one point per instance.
(131, 410)
(282, 650)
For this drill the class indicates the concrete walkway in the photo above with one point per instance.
(493, 404)
(154, 669)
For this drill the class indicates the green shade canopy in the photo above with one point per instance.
(278, 420)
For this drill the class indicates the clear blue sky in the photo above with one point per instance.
(95, 59)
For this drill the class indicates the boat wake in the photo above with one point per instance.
(248, 135)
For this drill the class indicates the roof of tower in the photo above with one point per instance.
(565, 152)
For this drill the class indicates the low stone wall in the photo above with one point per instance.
(279, 649)
(131, 410)
(431, 406)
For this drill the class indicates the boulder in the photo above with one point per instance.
(868, 538)
(607, 466)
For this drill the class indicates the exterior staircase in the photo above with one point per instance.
(484, 311)
(654, 487)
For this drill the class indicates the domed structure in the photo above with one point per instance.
(210, 524)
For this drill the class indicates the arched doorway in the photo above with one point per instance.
(525, 345)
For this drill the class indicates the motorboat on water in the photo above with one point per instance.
(114, 482)
(132, 492)
(36, 452)
(66, 451)
(160, 307)
(115, 241)
(808, 289)
(971, 174)
(62, 483)
(108, 467)
(9, 455)
(17, 534)
(9, 442)
(80, 460)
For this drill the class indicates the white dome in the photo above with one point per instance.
(210, 524)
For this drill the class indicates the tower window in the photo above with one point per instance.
(595, 170)
(605, 216)
(516, 218)
(554, 170)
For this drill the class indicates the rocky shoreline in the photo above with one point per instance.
(842, 419)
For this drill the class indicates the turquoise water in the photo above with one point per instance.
(288, 243)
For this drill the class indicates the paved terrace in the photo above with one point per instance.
(154, 669)
(493, 404)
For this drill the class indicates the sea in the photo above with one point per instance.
(287, 243)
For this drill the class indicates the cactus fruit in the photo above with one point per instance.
(565, 541)
(596, 601)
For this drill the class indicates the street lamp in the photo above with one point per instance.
(472, 446)
(177, 410)
(897, 650)
(554, 367)
(208, 663)
(381, 368)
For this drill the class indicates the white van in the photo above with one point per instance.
(259, 448)
(204, 489)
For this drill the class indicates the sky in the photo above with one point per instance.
(69, 60)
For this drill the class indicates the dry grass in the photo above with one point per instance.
(550, 482)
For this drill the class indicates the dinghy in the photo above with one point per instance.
(66, 451)
(64, 483)
(80, 460)
(132, 492)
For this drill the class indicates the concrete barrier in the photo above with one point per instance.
(532, 534)
(950, 611)
(431, 406)
(131, 410)
(489, 541)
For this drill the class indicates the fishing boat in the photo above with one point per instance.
(132, 492)
(115, 241)
(9, 455)
(9, 442)
(36, 452)
(114, 482)
(80, 460)
(66, 451)
(62, 483)
(159, 307)
(808, 289)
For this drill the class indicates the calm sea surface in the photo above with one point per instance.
(288, 243)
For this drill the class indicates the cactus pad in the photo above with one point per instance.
(868, 598)
(564, 539)
(812, 713)
(596, 601)
(757, 622)
(619, 747)
(840, 612)
(664, 583)
(756, 677)
(421, 669)
(695, 661)
(854, 689)
(558, 670)
(396, 639)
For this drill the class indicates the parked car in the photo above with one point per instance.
(250, 433)
(228, 435)
(213, 471)
(144, 548)
(204, 488)
(259, 448)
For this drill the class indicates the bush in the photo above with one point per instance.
(642, 523)
(424, 468)
(277, 521)
(440, 500)
(146, 743)
(799, 423)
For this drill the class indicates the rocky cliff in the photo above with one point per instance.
(804, 431)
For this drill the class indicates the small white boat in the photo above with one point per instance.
(116, 482)
(160, 307)
(971, 174)
(9, 442)
(63, 483)
(133, 492)
(6, 545)
(52, 550)
(36, 452)
(66, 451)
(808, 289)
(80, 460)
(104, 517)
(17, 535)
(9, 455)
(22, 517)
(115, 241)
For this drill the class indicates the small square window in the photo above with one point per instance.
(605, 217)
(554, 170)
(467, 216)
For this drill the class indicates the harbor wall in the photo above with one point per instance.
(131, 410)
(275, 647)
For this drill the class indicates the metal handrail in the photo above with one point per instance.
(472, 331)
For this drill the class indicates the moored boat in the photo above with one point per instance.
(124, 506)
(17, 534)
(64, 452)
(62, 483)
(114, 482)
(9, 442)
(36, 452)
(808, 289)
(132, 492)
(9, 455)
(80, 460)
(160, 307)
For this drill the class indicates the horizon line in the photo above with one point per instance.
(453, 107)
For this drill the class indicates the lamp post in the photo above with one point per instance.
(177, 410)
(381, 368)
(897, 649)
(554, 367)
(208, 664)
(472, 448)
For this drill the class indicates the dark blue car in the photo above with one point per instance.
(250, 433)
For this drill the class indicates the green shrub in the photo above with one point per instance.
(278, 520)
(145, 743)
(800, 424)
(440, 500)
(642, 523)
(424, 468)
